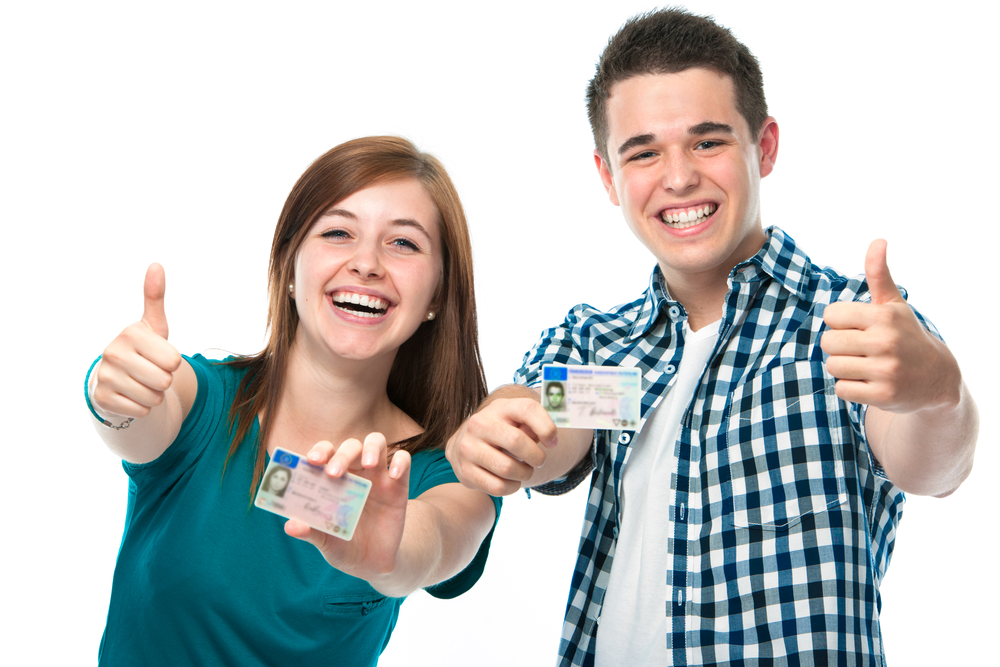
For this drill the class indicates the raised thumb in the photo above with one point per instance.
(880, 283)
(153, 290)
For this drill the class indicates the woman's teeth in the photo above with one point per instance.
(361, 305)
(688, 218)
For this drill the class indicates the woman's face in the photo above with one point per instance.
(278, 481)
(367, 272)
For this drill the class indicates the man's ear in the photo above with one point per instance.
(768, 146)
(604, 169)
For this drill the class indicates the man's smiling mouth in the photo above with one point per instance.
(684, 218)
(361, 305)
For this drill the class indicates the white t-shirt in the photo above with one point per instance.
(633, 623)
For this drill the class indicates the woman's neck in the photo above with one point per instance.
(335, 400)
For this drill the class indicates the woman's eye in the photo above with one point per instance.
(334, 234)
(405, 243)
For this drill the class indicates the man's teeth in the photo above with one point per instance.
(370, 306)
(689, 218)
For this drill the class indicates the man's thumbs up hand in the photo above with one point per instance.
(137, 368)
(881, 354)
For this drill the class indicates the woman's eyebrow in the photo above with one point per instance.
(342, 212)
(408, 222)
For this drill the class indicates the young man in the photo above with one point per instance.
(785, 407)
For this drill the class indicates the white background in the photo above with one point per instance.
(133, 132)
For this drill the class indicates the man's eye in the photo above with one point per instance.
(705, 145)
(643, 155)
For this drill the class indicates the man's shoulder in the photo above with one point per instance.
(788, 264)
(586, 315)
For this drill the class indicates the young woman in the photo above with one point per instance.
(372, 360)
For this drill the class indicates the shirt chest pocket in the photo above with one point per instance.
(784, 435)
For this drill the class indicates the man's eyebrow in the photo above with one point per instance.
(709, 127)
(639, 140)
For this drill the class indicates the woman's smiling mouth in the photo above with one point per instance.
(361, 305)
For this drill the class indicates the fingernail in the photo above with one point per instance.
(553, 443)
(368, 459)
(335, 469)
(394, 472)
(314, 456)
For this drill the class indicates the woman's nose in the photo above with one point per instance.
(365, 262)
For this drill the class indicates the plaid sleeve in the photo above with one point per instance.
(563, 344)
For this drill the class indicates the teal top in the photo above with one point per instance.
(205, 578)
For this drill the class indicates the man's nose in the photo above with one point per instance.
(680, 173)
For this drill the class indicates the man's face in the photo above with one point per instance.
(555, 395)
(686, 171)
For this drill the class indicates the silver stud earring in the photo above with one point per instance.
(430, 315)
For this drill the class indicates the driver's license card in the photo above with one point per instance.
(296, 489)
(598, 397)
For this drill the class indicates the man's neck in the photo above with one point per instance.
(704, 303)
(703, 294)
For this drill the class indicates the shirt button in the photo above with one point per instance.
(624, 438)
(670, 368)
(674, 312)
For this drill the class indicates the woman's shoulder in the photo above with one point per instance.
(218, 384)
(220, 374)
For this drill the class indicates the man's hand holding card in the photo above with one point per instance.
(512, 442)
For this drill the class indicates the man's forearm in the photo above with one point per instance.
(928, 452)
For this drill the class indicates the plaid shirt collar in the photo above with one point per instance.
(779, 258)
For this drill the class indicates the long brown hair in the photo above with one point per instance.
(437, 376)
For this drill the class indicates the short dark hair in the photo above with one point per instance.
(667, 41)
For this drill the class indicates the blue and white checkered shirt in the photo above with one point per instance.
(783, 522)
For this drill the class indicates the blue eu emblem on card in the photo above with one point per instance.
(284, 458)
(554, 373)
